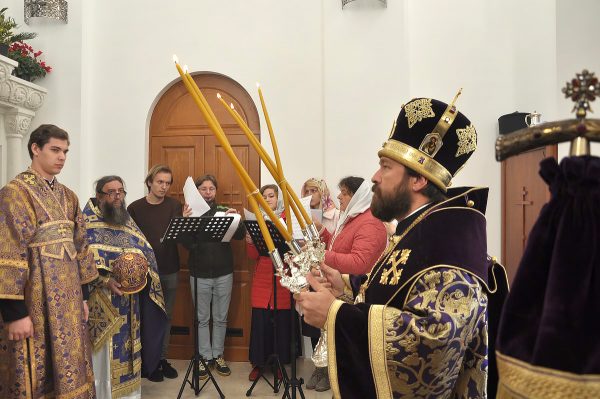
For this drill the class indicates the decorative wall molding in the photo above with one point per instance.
(6, 67)
(17, 92)
(19, 101)
(17, 122)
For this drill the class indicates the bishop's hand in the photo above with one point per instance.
(315, 305)
(334, 278)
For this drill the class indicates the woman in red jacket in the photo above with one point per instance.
(354, 247)
(359, 237)
(261, 332)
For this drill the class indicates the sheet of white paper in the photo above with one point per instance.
(194, 199)
(249, 215)
(296, 230)
(316, 214)
(232, 227)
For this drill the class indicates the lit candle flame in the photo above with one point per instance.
(231, 105)
(175, 59)
(258, 85)
(185, 68)
(219, 96)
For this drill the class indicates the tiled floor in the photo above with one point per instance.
(233, 386)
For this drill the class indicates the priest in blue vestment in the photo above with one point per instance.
(127, 314)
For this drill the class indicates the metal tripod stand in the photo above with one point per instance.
(273, 359)
(194, 366)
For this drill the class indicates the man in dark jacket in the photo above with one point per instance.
(152, 214)
(212, 264)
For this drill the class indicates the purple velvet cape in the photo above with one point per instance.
(456, 235)
(552, 316)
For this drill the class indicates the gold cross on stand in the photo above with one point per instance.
(582, 89)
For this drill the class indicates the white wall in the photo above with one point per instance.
(334, 79)
(61, 44)
(275, 43)
(377, 59)
(578, 48)
(365, 80)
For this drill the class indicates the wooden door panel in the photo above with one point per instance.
(524, 193)
(231, 193)
(182, 154)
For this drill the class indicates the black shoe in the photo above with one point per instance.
(203, 374)
(156, 375)
(168, 370)
(222, 367)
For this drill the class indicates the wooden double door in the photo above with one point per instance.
(181, 139)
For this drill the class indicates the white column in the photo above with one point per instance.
(16, 126)
(19, 100)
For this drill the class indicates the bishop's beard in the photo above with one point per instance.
(394, 205)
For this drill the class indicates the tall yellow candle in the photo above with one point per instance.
(264, 156)
(261, 223)
(301, 215)
(213, 124)
(297, 207)
(286, 200)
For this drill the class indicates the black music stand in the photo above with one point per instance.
(273, 359)
(211, 229)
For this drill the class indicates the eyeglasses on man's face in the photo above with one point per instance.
(115, 193)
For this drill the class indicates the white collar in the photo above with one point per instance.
(415, 211)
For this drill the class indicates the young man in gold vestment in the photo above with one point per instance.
(44, 268)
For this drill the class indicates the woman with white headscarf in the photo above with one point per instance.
(321, 199)
(359, 237)
(355, 245)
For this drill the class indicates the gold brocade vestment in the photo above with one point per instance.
(44, 260)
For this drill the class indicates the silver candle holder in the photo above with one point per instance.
(292, 271)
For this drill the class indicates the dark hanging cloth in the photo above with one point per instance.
(548, 344)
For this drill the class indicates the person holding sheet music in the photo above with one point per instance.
(321, 199)
(261, 331)
(212, 264)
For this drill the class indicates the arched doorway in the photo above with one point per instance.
(180, 138)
